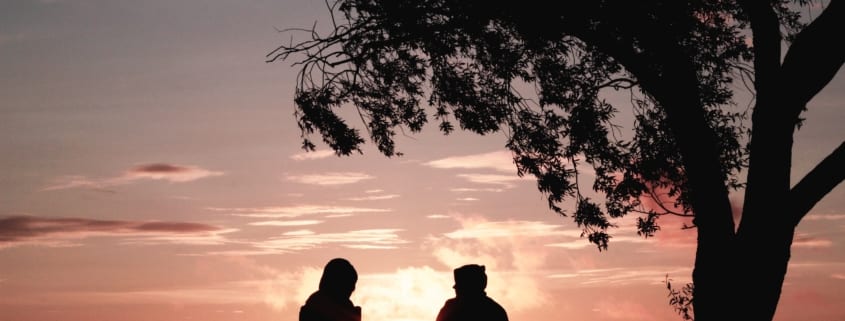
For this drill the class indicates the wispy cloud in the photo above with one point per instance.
(157, 171)
(509, 251)
(823, 217)
(301, 240)
(468, 189)
(296, 211)
(312, 155)
(330, 178)
(573, 244)
(288, 289)
(169, 172)
(806, 240)
(622, 309)
(516, 267)
(438, 216)
(504, 180)
(673, 232)
(513, 246)
(626, 276)
(499, 160)
(373, 197)
(287, 223)
(79, 181)
(370, 247)
(16, 230)
(225, 293)
(482, 229)
(209, 238)
(671, 235)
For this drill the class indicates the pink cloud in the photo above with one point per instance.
(673, 232)
(154, 171)
(302, 240)
(807, 241)
(16, 230)
(77, 181)
(623, 310)
(499, 160)
(475, 228)
(287, 223)
(504, 180)
(297, 211)
(330, 178)
(468, 189)
(373, 197)
(312, 155)
(823, 217)
(169, 172)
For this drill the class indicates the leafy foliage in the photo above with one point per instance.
(681, 300)
(527, 71)
(543, 75)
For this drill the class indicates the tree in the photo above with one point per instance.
(399, 62)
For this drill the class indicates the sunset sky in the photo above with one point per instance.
(151, 170)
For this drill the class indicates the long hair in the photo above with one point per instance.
(339, 278)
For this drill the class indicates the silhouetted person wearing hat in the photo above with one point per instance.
(471, 303)
(331, 301)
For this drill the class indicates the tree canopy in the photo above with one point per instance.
(541, 75)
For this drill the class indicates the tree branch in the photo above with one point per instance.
(619, 83)
(817, 183)
(767, 46)
(812, 61)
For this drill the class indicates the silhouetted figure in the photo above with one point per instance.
(471, 303)
(331, 301)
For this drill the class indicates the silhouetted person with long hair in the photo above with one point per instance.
(331, 301)
(471, 302)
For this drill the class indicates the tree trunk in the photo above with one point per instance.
(741, 279)
(714, 296)
(763, 258)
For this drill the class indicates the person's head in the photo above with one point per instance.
(339, 278)
(469, 279)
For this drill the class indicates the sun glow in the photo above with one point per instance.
(409, 294)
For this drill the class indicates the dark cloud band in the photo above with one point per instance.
(25, 228)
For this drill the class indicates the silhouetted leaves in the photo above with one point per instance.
(539, 73)
(681, 300)
(400, 62)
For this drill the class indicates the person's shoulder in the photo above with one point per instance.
(308, 310)
(495, 304)
(447, 310)
(449, 304)
(451, 301)
(315, 298)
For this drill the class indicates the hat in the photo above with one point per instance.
(470, 277)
